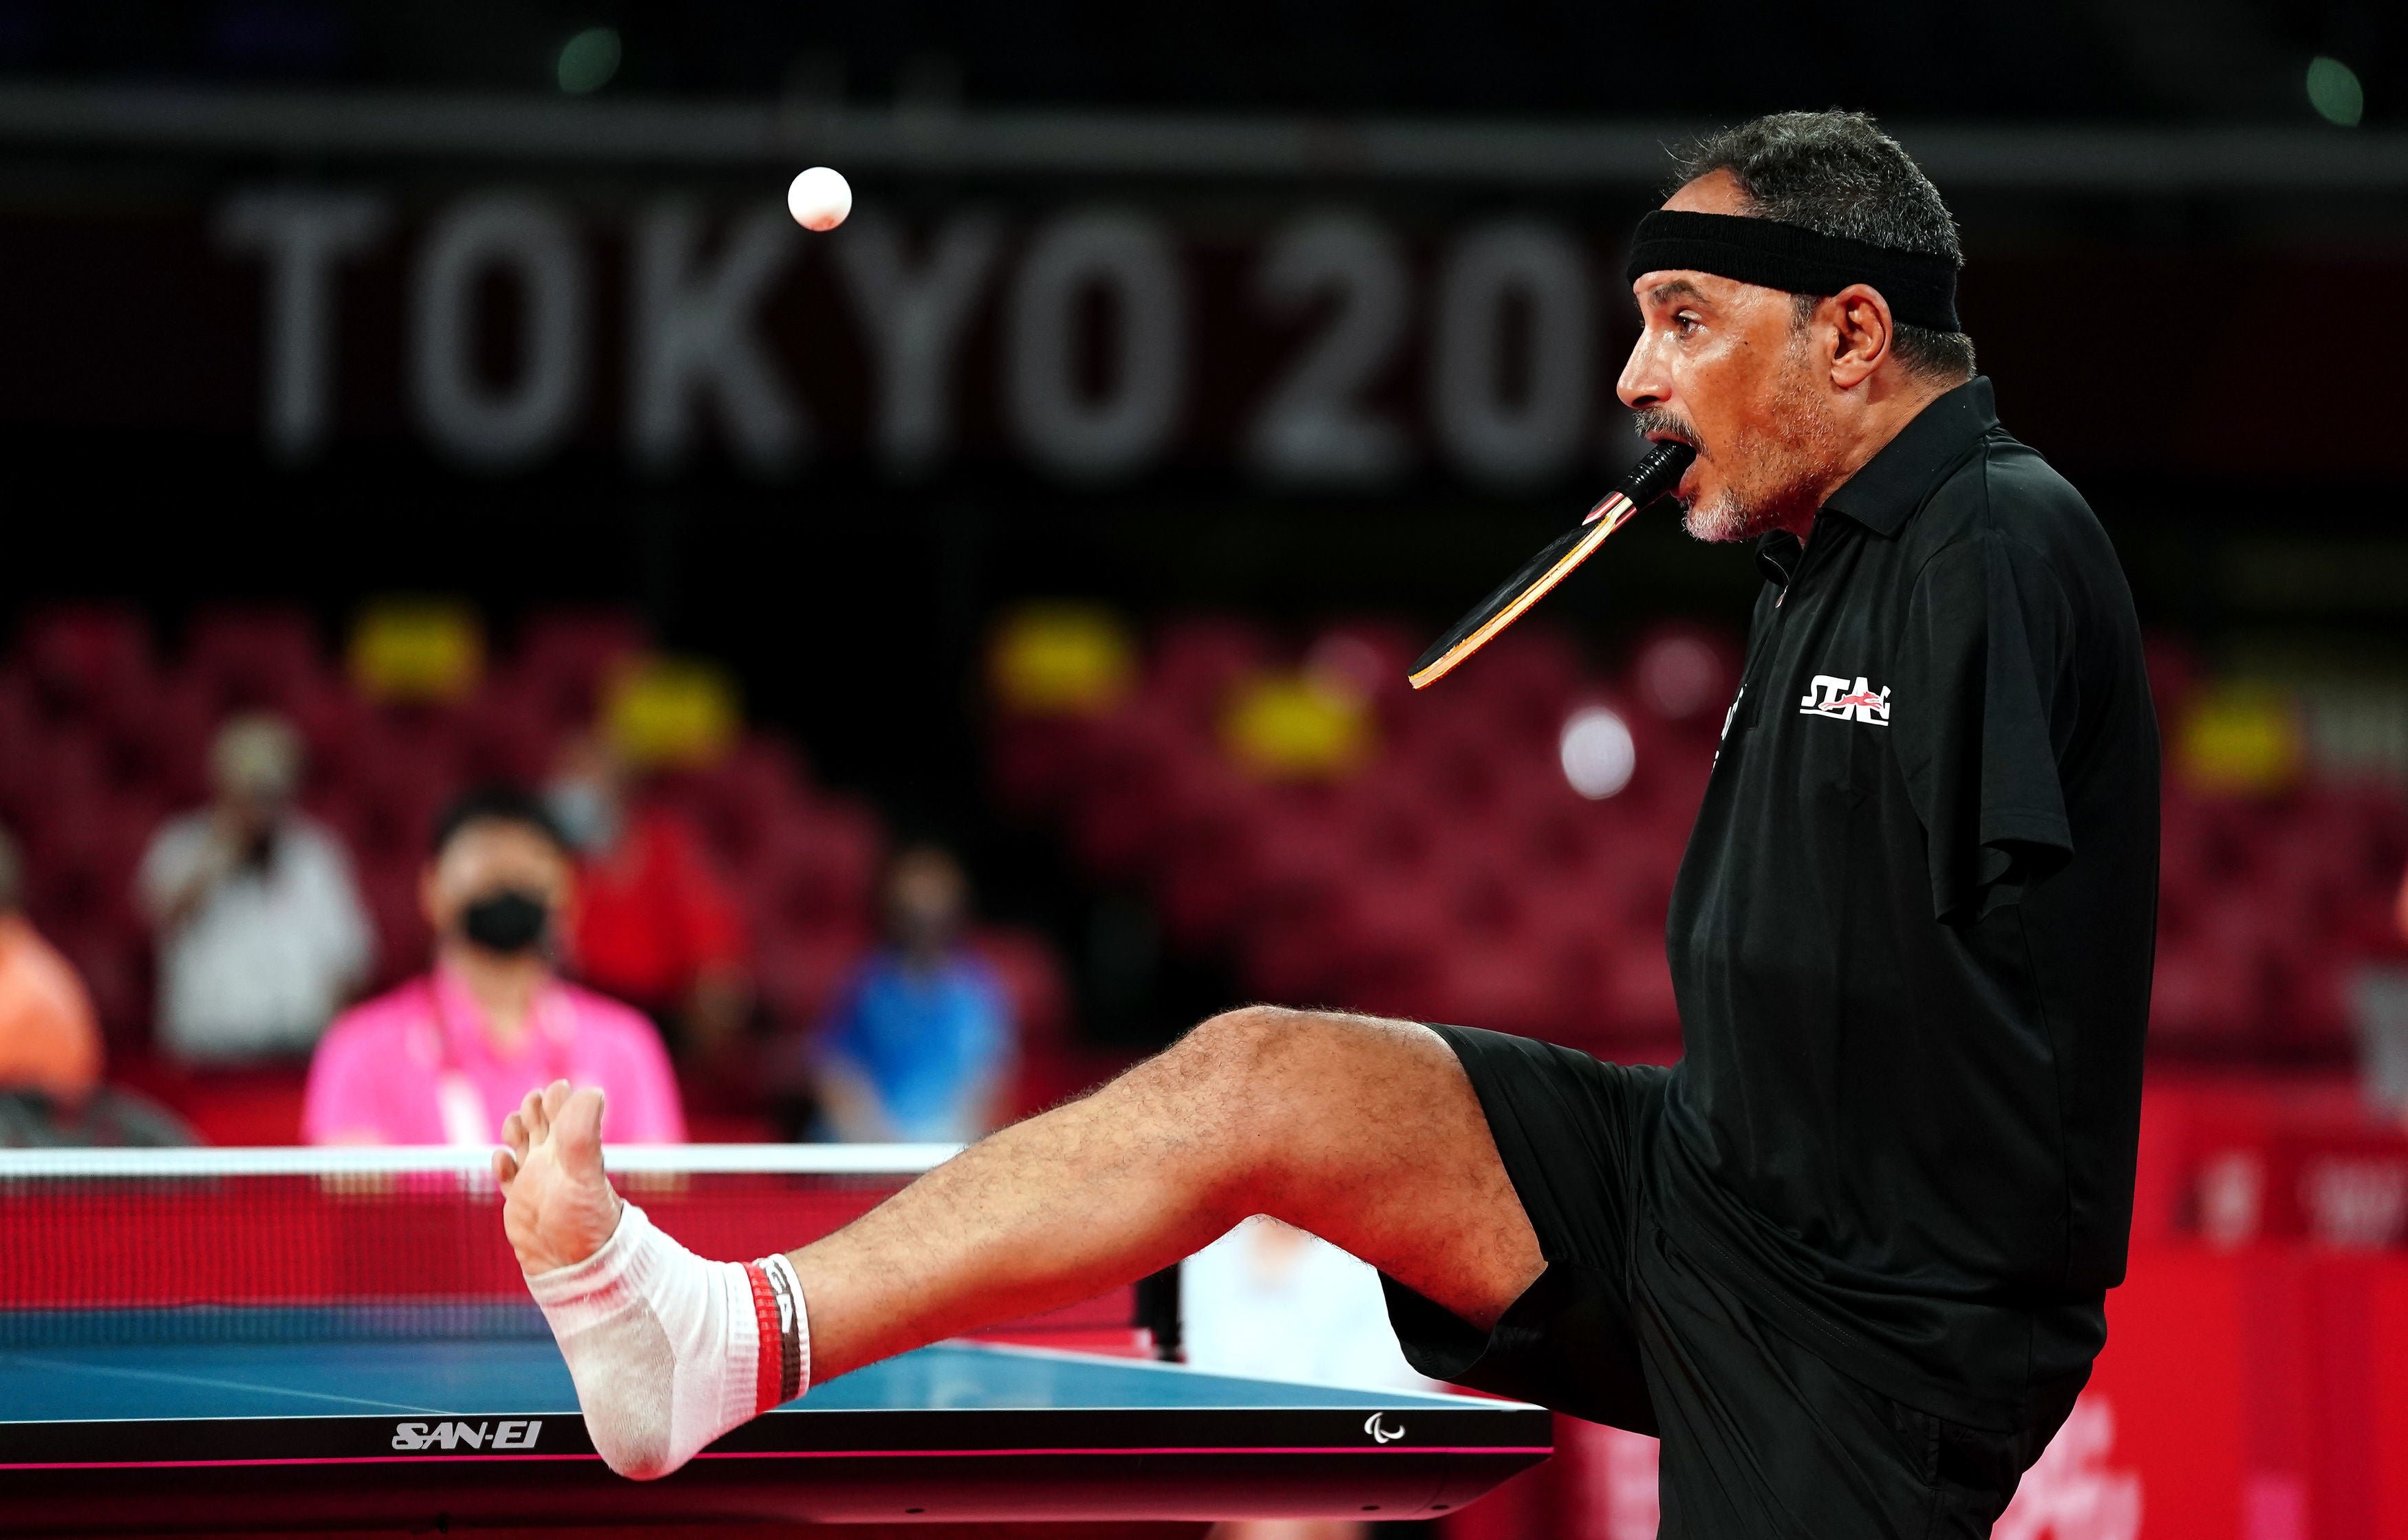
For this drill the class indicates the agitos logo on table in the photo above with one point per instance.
(512, 1434)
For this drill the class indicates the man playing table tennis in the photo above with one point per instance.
(1849, 1257)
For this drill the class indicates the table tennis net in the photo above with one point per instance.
(196, 1246)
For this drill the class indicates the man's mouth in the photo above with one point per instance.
(1659, 426)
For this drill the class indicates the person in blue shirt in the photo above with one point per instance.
(919, 1047)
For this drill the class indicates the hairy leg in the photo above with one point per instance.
(1364, 1132)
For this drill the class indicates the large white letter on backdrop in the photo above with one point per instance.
(302, 236)
(1315, 428)
(913, 316)
(1492, 431)
(1127, 262)
(691, 335)
(484, 423)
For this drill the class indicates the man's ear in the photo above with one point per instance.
(1863, 332)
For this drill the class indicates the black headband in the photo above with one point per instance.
(1921, 288)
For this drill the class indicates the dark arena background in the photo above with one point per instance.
(451, 379)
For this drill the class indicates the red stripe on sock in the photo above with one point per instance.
(768, 1376)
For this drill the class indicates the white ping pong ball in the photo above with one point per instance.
(820, 198)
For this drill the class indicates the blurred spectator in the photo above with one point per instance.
(919, 1043)
(51, 1050)
(654, 924)
(445, 1057)
(262, 936)
(49, 1040)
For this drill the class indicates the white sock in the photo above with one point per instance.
(668, 1351)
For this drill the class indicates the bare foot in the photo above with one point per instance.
(556, 1207)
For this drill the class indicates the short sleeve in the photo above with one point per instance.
(1985, 708)
(168, 864)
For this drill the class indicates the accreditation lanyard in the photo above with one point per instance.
(457, 1100)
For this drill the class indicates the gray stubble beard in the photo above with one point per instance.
(1811, 450)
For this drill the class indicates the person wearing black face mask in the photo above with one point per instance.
(444, 1058)
(505, 922)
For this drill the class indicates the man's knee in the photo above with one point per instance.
(1240, 1037)
(1252, 1041)
(1278, 1062)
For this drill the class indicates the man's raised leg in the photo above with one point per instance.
(1365, 1132)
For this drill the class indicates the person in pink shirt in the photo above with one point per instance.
(446, 1057)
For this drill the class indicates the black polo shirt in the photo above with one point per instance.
(1911, 937)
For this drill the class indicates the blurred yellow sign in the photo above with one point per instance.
(1296, 727)
(2241, 738)
(671, 713)
(1054, 660)
(417, 649)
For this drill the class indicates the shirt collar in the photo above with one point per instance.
(1777, 555)
(462, 1020)
(1894, 483)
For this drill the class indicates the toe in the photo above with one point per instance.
(577, 1131)
(506, 1168)
(531, 1112)
(514, 1134)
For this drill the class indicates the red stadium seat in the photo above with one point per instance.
(816, 871)
(1371, 658)
(502, 736)
(1501, 987)
(800, 970)
(1034, 762)
(1148, 770)
(254, 658)
(1032, 978)
(1211, 825)
(2201, 999)
(1683, 675)
(1388, 939)
(389, 883)
(564, 655)
(114, 960)
(740, 803)
(82, 657)
(2311, 1009)
(182, 721)
(1197, 659)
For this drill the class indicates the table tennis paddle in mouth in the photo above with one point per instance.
(1657, 472)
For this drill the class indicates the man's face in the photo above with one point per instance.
(488, 857)
(1724, 365)
(924, 899)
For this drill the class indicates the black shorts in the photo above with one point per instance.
(1761, 1438)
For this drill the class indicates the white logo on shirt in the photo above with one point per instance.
(1832, 696)
(1379, 1432)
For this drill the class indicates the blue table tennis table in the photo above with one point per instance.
(323, 1432)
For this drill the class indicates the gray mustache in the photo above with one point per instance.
(1649, 419)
